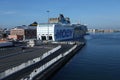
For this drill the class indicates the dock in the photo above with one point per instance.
(36, 62)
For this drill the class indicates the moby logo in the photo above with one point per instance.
(65, 33)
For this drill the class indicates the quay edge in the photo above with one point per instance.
(50, 72)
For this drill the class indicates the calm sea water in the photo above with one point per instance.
(98, 60)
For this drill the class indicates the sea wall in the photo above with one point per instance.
(49, 72)
(43, 67)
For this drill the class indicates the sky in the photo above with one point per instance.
(93, 13)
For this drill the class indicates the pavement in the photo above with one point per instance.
(16, 56)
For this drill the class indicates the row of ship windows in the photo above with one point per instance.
(45, 29)
(46, 34)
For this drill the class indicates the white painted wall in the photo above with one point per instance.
(44, 30)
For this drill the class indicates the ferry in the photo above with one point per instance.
(60, 29)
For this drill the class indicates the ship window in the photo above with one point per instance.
(43, 37)
(50, 37)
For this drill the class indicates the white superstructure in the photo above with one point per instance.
(54, 32)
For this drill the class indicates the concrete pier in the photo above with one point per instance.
(37, 63)
(48, 73)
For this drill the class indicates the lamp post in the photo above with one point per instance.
(48, 25)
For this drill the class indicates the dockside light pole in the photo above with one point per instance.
(48, 25)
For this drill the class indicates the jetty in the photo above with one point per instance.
(36, 63)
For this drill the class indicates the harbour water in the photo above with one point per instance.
(98, 60)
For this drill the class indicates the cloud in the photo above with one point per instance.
(7, 12)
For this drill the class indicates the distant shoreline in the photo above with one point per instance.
(103, 30)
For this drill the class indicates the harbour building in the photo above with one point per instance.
(23, 32)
